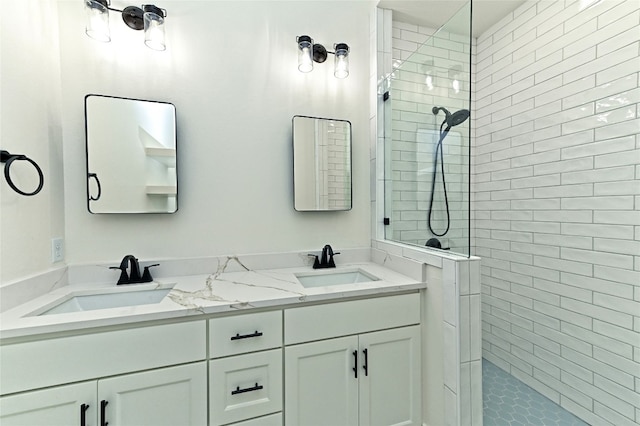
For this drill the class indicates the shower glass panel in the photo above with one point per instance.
(427, 141)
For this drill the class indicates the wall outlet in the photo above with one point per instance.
(57, 250)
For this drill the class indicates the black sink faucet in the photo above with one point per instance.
(326, 259)
(133, 277)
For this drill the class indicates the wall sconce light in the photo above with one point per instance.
(308, 53)
(149, 17)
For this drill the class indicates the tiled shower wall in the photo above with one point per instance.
(422, 78)
(557, 202)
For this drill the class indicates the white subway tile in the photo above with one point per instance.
(583, 190)
(567, 393)
(566, 115)
(563, 166)
(620, 392)
(570, 140)
(611, 231)
(602, 90)
(571, 61)
(613, 416)
(596, 339)
(618, 159)
(603, 61)
(618, 217)
(617, 246)
(614, 101)
(607, 118)
(567, 89)
(556, 288)
(586, 415)
(621, 38)
(563, 265)
(600, 175)
(619, 202)
(564, 314)
(564, 240)
(566, 340)
(603, 286)
(617, 71)
(545, 39)
(621, 334)
(598, 258)
(590, 365)
(619, 304)
(601, 147)
(598, 394)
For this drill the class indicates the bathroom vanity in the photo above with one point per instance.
(242, 348)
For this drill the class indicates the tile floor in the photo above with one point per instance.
(509, 402)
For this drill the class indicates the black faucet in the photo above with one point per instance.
(133, 277)
(326, 259)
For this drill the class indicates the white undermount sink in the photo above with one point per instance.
(328, 278)
(87, 300)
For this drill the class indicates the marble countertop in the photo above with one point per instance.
(194, 295)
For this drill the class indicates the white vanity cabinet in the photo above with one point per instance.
(245, 372)
(146, 376)
(340, 371)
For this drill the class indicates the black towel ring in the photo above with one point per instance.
(8, 159)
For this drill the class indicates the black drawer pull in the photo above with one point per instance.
(245, 390)
(355, 361)
(103, 413)
(246, 336)
(83, 414)
(365, 366)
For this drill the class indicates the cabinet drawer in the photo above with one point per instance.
(77, 358)
(272, 420)
(245, 333)
(318, 322)
(245, 386)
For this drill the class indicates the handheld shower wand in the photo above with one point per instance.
(450, 120)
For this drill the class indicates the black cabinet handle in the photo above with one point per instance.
(103, 413)
(238, 336)
(355, 368)
(245, 390)
(365, 366)
(83, 414)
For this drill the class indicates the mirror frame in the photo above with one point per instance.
(350, 148)
(92, 176)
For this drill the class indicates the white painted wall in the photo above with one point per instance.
(30, 124)
(231, 70)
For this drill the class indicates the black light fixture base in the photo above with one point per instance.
(133, 17)
(319, 53)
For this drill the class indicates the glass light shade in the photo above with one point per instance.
(97, 21)
(341, 69)
(154, 31)
(305, 54)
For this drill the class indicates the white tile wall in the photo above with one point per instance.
(557, 213)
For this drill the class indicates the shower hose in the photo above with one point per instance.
(443, 133)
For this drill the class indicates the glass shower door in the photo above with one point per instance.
(427, 141)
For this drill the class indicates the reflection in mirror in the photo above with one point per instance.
(131, 155)
(321, 164)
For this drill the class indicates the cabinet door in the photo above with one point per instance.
(164, 397)
(390, 377)
(59, 406)
(320, 385)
